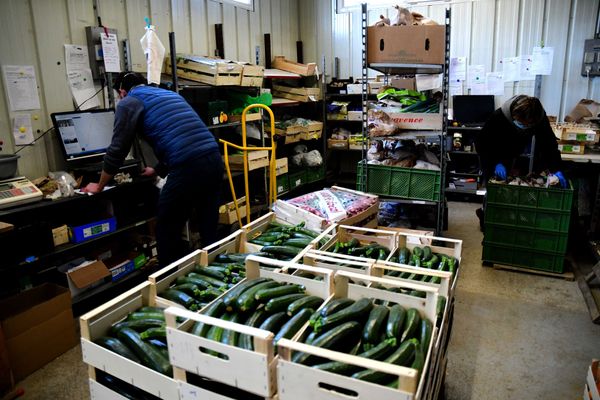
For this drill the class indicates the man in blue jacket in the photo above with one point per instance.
(186, 151)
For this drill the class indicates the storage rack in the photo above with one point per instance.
(462, 158)
(413, 177)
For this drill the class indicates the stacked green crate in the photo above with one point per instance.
(527, 226)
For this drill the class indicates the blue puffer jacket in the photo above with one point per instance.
(172, 127)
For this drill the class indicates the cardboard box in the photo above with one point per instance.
(38, 327)
(60, 235)
(86, 276)
(422, 44)
(571, 148)
(400, 82)
(354, 115)
(81, 233)
(354, 88)
(375, 87)
(122, 269)
(281, 166)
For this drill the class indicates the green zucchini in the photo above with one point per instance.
(297, 242)
(289, 329)
(373, 328)
(209, 294)
(138, 325)
(427, 254)
(115, 345)
(395, 322)
(432, 262)
(145, 315)
(215, 333)
(149, 355)
(274, 322)
(305, 302)
(230, 297)
(265, 295)
(154, 333)
(417, 253)
(232, 257)
(246, 300)
(335, 306)
(311, 337)
(213, 281)
(281, 303)
(288, 251)
(151, 309)
(334, 339)
(419, 360)
(189, 289)
(201, 283)
(356, 312)
(403, 356)
(180, 298)
(411, 327)
(211, 273)
(255, 320)
(403, 255)
(379, 352)
(215, 310)
(440, 306)
(425, 334)
(230, 337)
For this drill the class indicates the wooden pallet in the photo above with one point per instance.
(568, 275)
(589, 285)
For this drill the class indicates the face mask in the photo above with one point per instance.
(520, 125)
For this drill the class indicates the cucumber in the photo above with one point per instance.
(149, 356)
(356, 312)
(373, 328)
(209, 279)
(306, 232)
(403, 255)
(145, 315)
(335, 306)
(188, 288)
(440, 306)
(265, 295)
(334, 339)
(425, 334)
(215, 333)
(150, 309)
(232, 257)
(159, 332)
(395, 322)
(297, 242)
(281, 303)
(432, 263)
(230, 337)
(115, 345)
(311, 337)
(419, 360)
(379, 352)
(201, 283)
(216, 309)
(246, 300)
(417, 253)
(427, 254)
(209, 272)
(452, 264)
(138, 325)
(403, 356)
(289, 329)
(180, 298)
(274, 322)
(411, 327)
(255, 320)
(230, 297)
(305, 302)
(288, 251)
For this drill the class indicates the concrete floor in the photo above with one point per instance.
(515, 336)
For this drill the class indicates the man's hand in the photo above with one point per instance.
(148, 171)
(92, 188)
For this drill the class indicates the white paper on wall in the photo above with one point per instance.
(495, 83)
(21, 87)
(458, 68)
(476, 75)
(542, 60)
(455, 88)
(22, 130)
(511, 68)
(526, 68)
(110, 52)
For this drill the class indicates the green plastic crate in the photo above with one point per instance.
(283, 183)
(315, 173)
(547, 220)
(518, 257)
(409, 183)
(526, 238)
(296, 179)
(534, 197)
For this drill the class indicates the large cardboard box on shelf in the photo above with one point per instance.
(422, 44)
(38, 326)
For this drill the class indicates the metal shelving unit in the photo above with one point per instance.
(439, 202)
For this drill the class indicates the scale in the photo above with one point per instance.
(17, 191)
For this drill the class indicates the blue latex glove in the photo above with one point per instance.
(561, 179)
(500, 171)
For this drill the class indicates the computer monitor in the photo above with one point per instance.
(472, 109)
(84, 135)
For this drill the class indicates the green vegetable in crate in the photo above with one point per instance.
(201, 283)
(374, 326)
(289, 329)
(425, 334)
(115, 345)
(215, 310)
(180, 298)
(304, 302)
(336, 305)
(281, 303)
(432, 262)
(378, 353)
(403, 255)
(335, 339)
(213, 281)
(246, 300)
(281, 251)
(419, 360)
(209, 294)
(138, 325)
(274, 322)
(255, 320)
(145, 315)
(265, 295)
(149, 356)
(231, 297)
(411, 327)
(439, 307)
(150, 309)
(356, 312)
(395, 322)
(215, 333)
(418, 253)
(427, 253)
(188, 288)
(403, 357)
(230, 337)
(219, 274)
(154, 333)
(297, 242)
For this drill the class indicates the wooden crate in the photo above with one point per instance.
(252, 371)
(281, 166)
(337, 143)
(301, 94)
(100, 392)
(252, 75)
(281, 63)
(593, 392)
(295, 215)
(163, 279)
(344, 233)
(256, 159)
(255, 116)
(571, 148)
(313, 130)
(97, 322)
(207, 70)
(337, 262)
(227, 214)
(296, 381)
(292, 134)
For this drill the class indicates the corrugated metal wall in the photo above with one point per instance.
(484, 31)
(34, 32)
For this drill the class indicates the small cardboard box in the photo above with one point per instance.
(38, 327)
(122, 269)
(354, 88)
(89, 231)
(86, 276)
(60, 235)
(571, 148)
(422, 44)
(400, 82)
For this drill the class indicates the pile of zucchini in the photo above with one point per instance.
(204, 284)
(390, 334)
(262, 303)
(423, 258)
(354, 248)
(142, 338)
(284, 242)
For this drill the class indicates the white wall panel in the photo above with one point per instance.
(160, 11)
(199, 27)
(137, 11)
(229, 32)
(181, 25)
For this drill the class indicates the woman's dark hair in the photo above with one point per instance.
(127, 79)
(527, 109)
